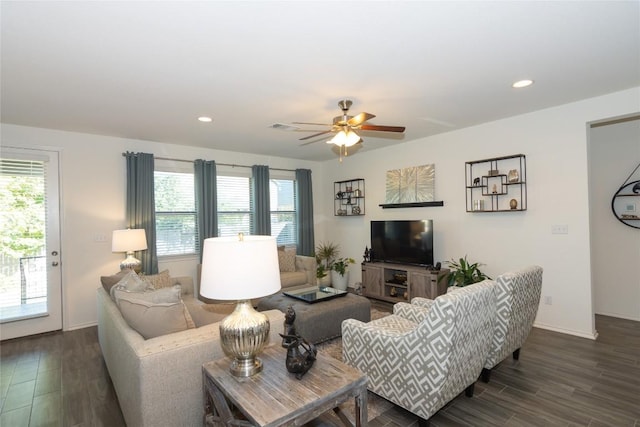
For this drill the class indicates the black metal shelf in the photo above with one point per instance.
(411, 205)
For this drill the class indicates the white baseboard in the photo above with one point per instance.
(620, 316)
(566, 331)
(82, 326)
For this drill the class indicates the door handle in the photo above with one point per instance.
(54, 263)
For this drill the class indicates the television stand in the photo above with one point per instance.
(400, 282)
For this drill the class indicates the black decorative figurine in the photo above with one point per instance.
(289, 328)
(298, 361)
(366, 256)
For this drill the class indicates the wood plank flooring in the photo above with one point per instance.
(60, 379)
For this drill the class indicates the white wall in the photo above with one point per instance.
(93, 174)
(614, 152)
(555, 143)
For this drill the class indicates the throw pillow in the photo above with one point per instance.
(130, 283)
(158, 281)
(287, 261)
(164, 295)
(109, 281)
(153, 320)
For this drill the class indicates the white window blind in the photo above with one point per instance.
(176, 223)
(234, 205)
(283, 211)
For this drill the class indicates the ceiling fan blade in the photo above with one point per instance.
(359, 119)
(314, 135)
(313, 142)
(381, 128)
(313, 124)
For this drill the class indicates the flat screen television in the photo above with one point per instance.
(402, 241)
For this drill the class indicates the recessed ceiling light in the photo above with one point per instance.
(522, 83)
(205, 119)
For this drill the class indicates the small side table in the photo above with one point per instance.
(274, 397)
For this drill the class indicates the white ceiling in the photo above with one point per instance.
(147, 70)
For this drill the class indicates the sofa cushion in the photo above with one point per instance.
(288, 279)
(153, 320)
(109, 281)
(205, 314)
(287, 261)
(158, 281)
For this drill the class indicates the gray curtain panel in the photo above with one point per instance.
(206, 200)
(141, 210)
(304, 199)
(261, 202)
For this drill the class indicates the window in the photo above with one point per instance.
(234, 205)
(283, 211)
(176, 222)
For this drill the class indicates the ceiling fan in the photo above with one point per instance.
(344, 128)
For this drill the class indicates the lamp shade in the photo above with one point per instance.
(239, 268)
(347, 139)
(129, 240)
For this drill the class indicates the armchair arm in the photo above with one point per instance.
(308, 265)
(411, 312)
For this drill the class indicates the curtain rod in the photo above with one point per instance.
(221, 164)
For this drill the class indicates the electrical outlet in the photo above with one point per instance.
(560, 229)
(547, 300)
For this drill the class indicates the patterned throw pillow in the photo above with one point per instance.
(287, 261)
(131, 282)
(158, 281)
(110, 281)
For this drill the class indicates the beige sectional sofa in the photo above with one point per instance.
(304, 274)
(159, 381)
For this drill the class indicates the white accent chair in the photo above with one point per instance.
(517, 300)
(420, 358)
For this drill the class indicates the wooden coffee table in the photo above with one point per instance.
(274, 397)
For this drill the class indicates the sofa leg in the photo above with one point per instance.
(469, 390)
(516, 354)
(423, 423)
(485, 375)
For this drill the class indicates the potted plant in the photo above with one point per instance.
(340, 273)
(464, 273)
(325, 254)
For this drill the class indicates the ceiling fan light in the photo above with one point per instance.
(346, 139)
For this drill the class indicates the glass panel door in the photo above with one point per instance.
(30, 290)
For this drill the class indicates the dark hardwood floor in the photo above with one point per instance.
(60, 379)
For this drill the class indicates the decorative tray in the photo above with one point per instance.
(315, 294)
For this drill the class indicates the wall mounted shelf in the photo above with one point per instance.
(349, 197)
(411, 205)
(490, 188)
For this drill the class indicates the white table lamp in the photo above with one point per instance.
(240, 268)
(128, 241)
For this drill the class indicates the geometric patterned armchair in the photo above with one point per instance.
(517, 299)
(420, 358)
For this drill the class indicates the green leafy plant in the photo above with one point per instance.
(464, 273)
(340, 265)
(325, 254)
(320, 270)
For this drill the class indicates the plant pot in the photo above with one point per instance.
(338, 281)
(324, 281)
